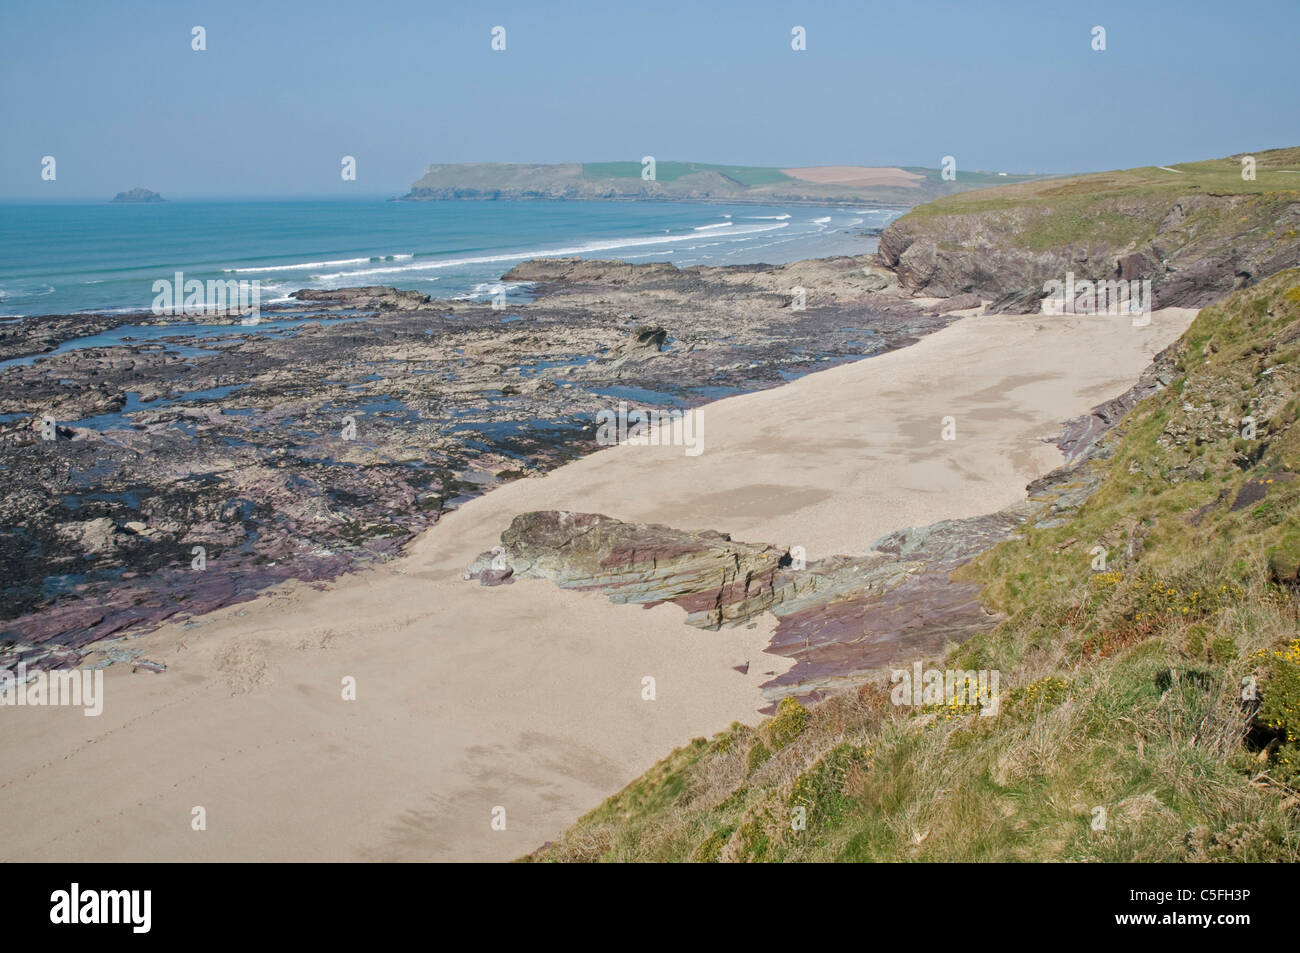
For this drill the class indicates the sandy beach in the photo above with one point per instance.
(527, 697)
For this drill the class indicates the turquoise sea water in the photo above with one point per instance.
(59, 258)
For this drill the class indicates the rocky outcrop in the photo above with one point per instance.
(641, 343)
(1193, 237)
(839, 618)
(325, 438)
(715, 579)
(585, 271)
(375, 297)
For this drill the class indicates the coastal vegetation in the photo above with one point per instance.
(696, 182)
(745, 175)
(1149, 661)
(1197, 230)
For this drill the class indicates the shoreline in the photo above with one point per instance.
(427, 246)
(453, 397)
(663, 200)
(528, 696)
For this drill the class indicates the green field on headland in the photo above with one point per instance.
(674, 180)
(1074, 201)
(745, 175)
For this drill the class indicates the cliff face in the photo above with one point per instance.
(1198, 232)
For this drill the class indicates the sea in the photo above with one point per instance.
(62, 258)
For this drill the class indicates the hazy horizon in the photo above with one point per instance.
(279, 95)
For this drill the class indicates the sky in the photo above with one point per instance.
(116, 94)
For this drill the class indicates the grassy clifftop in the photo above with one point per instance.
(1198, 230)
(693, 181)
(1149, 666)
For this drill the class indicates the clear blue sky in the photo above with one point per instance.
(285, 88)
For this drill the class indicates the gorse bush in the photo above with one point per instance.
(789, 722)
(1279, 709)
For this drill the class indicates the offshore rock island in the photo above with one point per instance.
(137, 196)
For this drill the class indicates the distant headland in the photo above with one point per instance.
(699, 182)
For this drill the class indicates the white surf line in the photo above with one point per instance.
(1167, 169)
